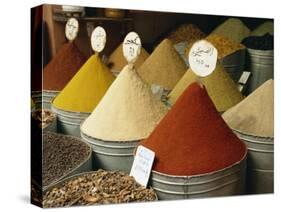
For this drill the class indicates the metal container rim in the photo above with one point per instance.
(206, 174)
(252, 138)
(115, 144)
(75, 168)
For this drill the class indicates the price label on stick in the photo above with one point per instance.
(142, 165)
(98, 39)
(71, 29)
(203, 58)
(131, 47)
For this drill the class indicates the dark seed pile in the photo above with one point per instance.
(264, 42)
(61, 154)
(99, 187)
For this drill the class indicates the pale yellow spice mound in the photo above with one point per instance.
(186, 33)
(84, 91)
(224, 45)
(234, 29)
(117, 60)
(164, 67)
(128, 111)
(219, 85)
(255, 114)
(266, 27)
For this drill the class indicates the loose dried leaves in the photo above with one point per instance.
(99, 187)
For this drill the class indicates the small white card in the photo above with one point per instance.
(202, 58)
(98, 39)
(142, 165)
(71, 29)
(244, 77)
(131, 47)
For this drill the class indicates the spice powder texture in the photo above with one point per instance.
(255, 114)
(86, 88)
(128, 112)
(117, 60)
(62, 67)
(192, 138)
(164, 67)
(220, 87)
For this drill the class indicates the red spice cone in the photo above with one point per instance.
(193, 138)
(62, 67)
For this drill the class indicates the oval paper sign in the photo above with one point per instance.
(131, 47)
(71, 29)
(203, 58)
(98, 39)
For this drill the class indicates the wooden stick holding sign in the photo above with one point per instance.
(98, 39)
(71, 29)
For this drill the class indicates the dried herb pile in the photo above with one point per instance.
(99, 187)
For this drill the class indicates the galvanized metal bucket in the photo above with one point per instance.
(68, 123)
(52, 127)
(260, 164)
(84, 166)
(180, 48)
(224, 182)
(43, 99)
(234, 64)
(111, 155)
(260, 63)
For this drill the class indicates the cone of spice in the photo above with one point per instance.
(186, 33)
(266, 27)
(128, 111)
(164, 67)
(234, 29)
(117, 61)
(86, 88)
(193, 139)
(255, 114)
(62, 67)
(224, 45)
(220, 87)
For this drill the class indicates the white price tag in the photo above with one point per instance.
(98, 39)
(142, 165)
(71, 29)
(244, 77)
(131, 47)
(203, 58)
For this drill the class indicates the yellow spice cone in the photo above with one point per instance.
(86, 88)
(220, 87)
